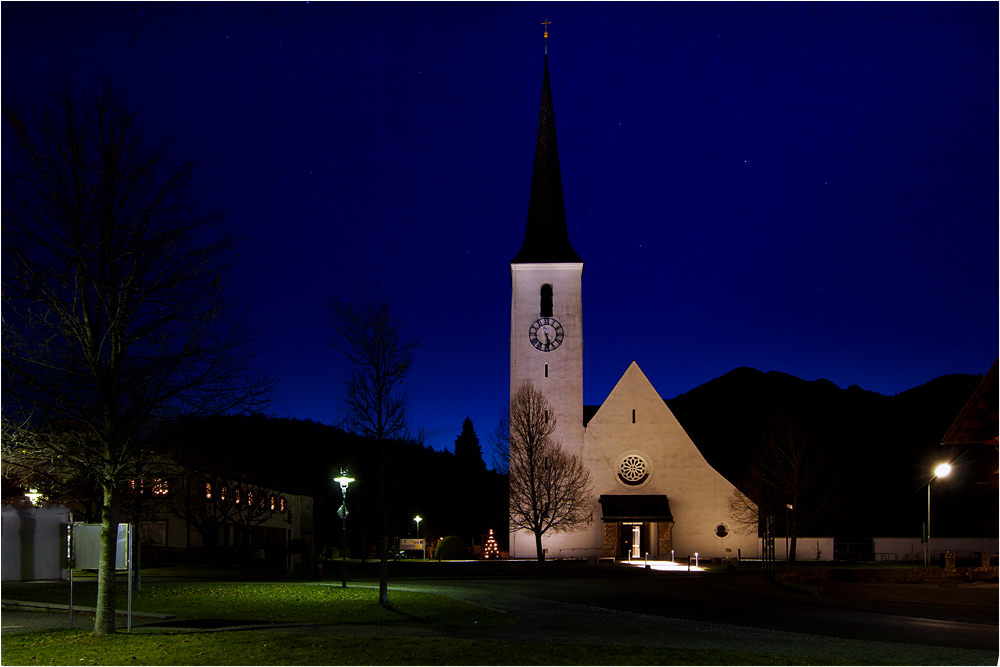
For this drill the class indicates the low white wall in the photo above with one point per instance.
(911, 548)
(806, 548)
(34, 542)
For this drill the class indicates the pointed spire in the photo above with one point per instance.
(546, 238)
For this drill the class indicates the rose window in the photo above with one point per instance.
(633, 468)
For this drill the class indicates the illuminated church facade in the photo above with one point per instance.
(654, 494)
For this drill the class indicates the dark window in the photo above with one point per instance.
(546, 370)
(546, 306)
(633, 416)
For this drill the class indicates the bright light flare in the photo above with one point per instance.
(665, 566)
(943, 470)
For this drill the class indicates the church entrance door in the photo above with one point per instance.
(634, 541)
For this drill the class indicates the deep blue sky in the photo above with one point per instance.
(809, 188)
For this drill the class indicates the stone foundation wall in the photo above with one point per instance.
(611, 533)
(664, 538)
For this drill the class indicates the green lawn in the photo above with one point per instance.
(276, 602)
(284, 602)
(67, 647)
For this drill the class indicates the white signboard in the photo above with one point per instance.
(87, 546)
(34, 542)
(410, 544)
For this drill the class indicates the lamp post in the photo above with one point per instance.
(943, 470)
(418, 519)
(344, 481)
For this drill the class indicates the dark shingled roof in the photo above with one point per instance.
(546, 238)
(635, 508)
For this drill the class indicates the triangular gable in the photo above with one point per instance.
(977, 422)
(634, 380)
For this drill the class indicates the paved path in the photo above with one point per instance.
(29, 616)
(552, 621)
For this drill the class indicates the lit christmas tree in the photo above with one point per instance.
(491, 550)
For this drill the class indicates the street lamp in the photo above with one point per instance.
(424, 547)
(344, 481)
(943, 470)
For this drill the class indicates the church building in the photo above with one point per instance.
(654, 494)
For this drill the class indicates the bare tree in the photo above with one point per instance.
(145, 495)
(200, 501)
(789, 477)
(374, 403)
(114, 320)
(549, 487)
(252, 504)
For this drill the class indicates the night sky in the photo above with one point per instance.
(808, 188)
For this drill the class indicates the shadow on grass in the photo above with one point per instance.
(207, 624)
(404, 615)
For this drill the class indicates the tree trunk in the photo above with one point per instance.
(107, 594)
(538, 546)
(136, 564)
(793, 530)
(383, 570)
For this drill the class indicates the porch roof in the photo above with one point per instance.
(635, 508)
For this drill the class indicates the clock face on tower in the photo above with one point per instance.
(546, 334)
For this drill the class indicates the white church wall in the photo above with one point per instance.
(558, 374)
(696, 492)
(585, 543)
(912, 548)
(562, 384)
(806, 548)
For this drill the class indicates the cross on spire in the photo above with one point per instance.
(546, 23)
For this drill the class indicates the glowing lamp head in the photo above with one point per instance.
(343, 480)
(418, 519)
(942, 470)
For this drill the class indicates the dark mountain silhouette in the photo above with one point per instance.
(881, 448)
(880, 453)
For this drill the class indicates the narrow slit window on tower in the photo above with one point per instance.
(546, 304)
(633, 416)
(546, 370)
(546, 416)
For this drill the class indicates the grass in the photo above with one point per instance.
(277, 602)
(66, 647)
(298, 602)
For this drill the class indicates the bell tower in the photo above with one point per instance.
(546, 316)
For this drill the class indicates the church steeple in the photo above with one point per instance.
(546, 238)
(546, 303)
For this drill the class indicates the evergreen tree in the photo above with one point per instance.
(467, 449)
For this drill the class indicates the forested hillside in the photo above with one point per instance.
(875, 451)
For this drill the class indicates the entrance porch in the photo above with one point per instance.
(636, 527)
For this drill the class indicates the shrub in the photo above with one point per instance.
(451, 548)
